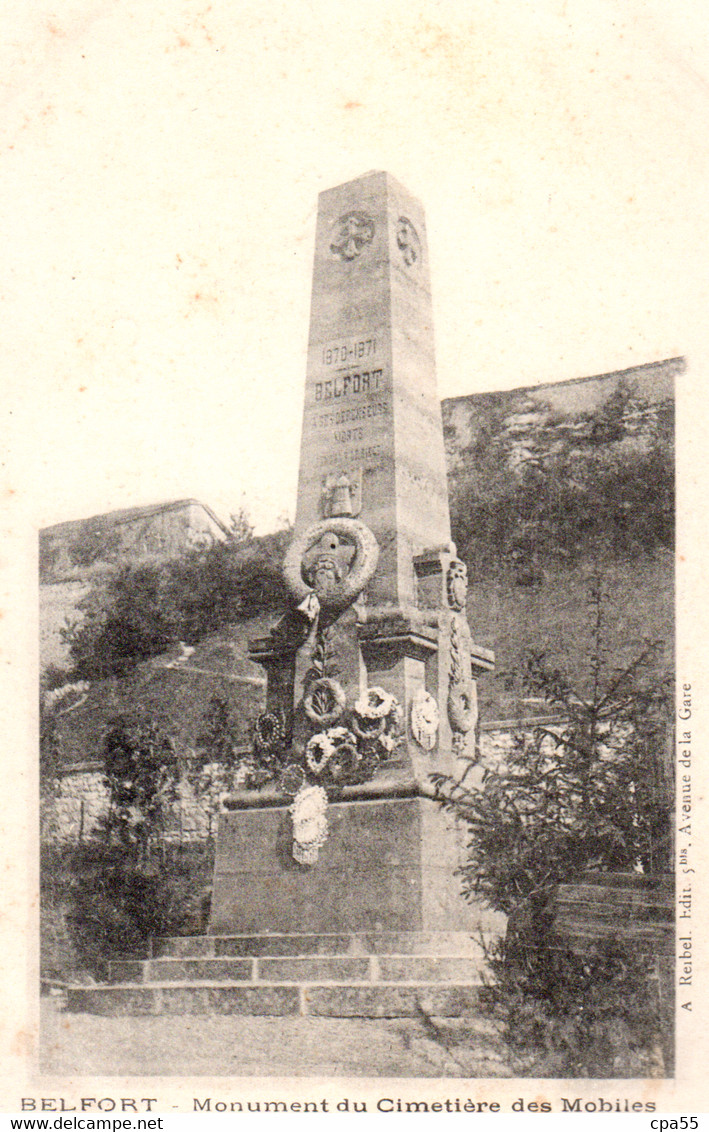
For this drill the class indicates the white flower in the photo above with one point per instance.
(309, 802)
(56, 695)
(337, 734)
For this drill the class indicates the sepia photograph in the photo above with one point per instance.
(353, 502)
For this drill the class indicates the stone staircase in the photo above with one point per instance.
(345, 975)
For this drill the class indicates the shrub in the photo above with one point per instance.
(137, 611)
(116, 904)
(142, 770)
(566, 1015)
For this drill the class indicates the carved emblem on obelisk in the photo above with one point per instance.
(351, 234)
(408, 242)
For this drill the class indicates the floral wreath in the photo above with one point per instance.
(318, 752)
(308, 814)
(292, 779)
(367, 728)
(269, 732)
(346, 756)
(374, 703)
(324, 702)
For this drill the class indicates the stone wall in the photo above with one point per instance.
(71, 810)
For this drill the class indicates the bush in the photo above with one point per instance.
(558, 488)
(142, 770)
(118, 905)
(566, 1015)
(98, 905)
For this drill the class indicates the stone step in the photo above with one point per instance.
(300, 969)
(343, 1000)
(324, 943)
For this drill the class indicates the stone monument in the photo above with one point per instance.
(371, 674)
(334, 888)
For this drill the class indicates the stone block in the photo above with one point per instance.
(317, 969)
(387, 865)
(126, 971)
(198, 970)
(112, 1001)
(264, 1000)
(389, 1001)
(367, 875)
(277, 945)
(428, 968)
(189, 946)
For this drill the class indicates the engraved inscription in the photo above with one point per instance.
(356, 413)
(348, 384)
(360, 457)
(345, 353)
(371, 453)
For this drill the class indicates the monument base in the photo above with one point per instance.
(387, 865)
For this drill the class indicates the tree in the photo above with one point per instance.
(591, 791)
(125, 885)
(587, 793)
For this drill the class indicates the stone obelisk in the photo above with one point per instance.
(371, 674)
(372, 411)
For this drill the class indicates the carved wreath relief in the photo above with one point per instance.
(334, 560)
(351, 234)
(462, 691)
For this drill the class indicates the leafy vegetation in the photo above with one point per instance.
(593, 1015)
(125, 883)
(592, 792)
(534, 486)
(588, 793)
(583, 795)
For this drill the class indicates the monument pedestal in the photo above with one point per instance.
(391, 853)
(387, 865)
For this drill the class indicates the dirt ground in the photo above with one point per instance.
(239, 1046)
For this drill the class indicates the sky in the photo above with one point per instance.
(159, 175)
